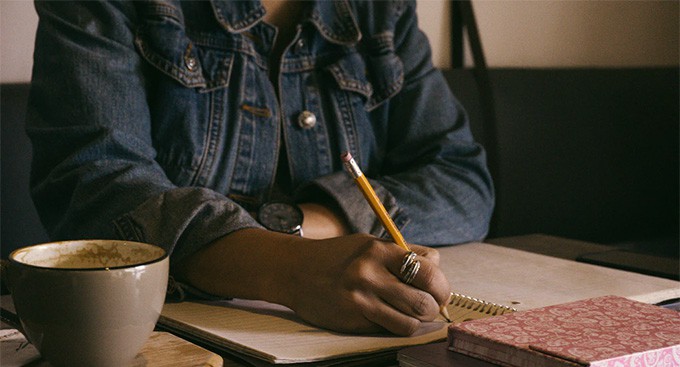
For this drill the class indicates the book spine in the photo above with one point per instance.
(505, 355)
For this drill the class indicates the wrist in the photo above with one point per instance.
(321, 221)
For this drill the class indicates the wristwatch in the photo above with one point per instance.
(281, 217)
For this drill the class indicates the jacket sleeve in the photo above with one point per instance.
(432, 175)
(94, 173)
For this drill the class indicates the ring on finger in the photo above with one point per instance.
(411, 272)
(409, 268)
(407, 261)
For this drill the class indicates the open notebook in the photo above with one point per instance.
(499, 278)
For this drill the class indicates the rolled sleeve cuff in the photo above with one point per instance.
(183, 220)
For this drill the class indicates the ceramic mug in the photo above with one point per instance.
(88, 302)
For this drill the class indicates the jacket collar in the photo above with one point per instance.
(238, 16)
(333, 18)
(335, 21)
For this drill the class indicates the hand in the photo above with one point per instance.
(347, 284)
(351, 284)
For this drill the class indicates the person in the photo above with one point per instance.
(176, 122)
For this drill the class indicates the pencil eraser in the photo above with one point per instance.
(346, 156)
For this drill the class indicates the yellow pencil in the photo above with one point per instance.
(373, 200)
(379, 209)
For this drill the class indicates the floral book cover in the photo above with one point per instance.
(602, 331)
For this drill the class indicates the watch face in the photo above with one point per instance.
(280, 217)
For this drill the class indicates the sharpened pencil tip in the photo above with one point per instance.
(445, 313)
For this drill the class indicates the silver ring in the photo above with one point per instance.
(409, 268)
(411, 272)
(407, 261)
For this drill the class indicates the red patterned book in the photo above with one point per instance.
(605, 331)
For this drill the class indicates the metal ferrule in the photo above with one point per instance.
(352, 167)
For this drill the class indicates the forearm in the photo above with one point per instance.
(253, 256)
(249, 263)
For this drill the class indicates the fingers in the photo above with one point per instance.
(419, 300)
(432, 280)
(410, 301)
(398, 307)
(429, 277)
(391, 319)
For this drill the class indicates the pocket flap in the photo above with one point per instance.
(165, 45)
(376, 78)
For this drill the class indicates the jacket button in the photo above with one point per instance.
(190, 63)
(306, 120)
(299, 45)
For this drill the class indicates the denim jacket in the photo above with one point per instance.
(156, 121)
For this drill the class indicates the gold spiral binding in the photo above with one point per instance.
(478, 305)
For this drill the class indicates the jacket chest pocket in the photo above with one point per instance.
(200, 60)
(365, 83)
(189, 75)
